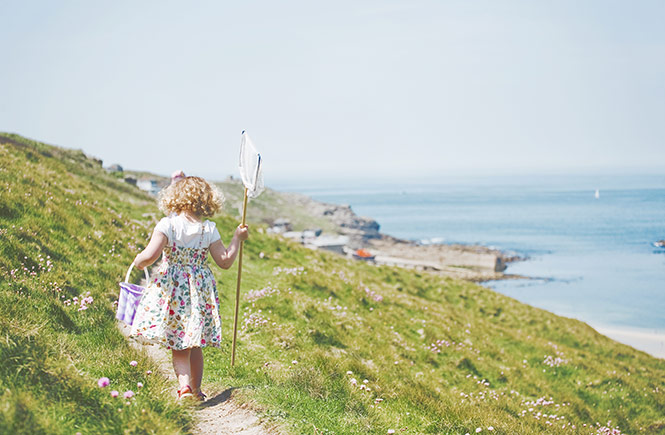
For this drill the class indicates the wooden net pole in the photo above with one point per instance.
(235, 317)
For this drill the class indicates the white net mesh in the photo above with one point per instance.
(251, 171)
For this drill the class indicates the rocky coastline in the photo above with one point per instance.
(470, 262)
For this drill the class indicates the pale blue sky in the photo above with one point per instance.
(337, 89)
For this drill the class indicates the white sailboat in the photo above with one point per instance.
(597, 194)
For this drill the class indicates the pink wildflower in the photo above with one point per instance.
(133, 363)
(128, 394)
(149, 372)
(139, 384)
(103, 382)
(114, 394)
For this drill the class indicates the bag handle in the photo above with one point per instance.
(131, 266)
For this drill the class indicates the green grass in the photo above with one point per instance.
(495, 338)
(67, 228)
(442, 355)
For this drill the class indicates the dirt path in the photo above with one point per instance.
(220, 414)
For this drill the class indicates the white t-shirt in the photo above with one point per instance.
(185, 233)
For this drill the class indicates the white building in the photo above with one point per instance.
(149, 186)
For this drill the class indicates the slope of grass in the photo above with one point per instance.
(326, 345)
(67, 230)
(439, 355)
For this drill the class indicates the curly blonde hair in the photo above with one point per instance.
(191, 194)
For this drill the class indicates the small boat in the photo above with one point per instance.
(363, 254)
(659, 244)
(597, 194)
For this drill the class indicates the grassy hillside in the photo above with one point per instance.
(67, 231)
(326, 345)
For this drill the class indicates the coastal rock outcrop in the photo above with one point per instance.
(359, 229)
(351, 224)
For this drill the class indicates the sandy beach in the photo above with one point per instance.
(650, 341)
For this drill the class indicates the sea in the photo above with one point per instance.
(588, 241)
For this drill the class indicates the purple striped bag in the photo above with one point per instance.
(130, 296)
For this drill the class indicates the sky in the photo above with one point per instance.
(344, 89)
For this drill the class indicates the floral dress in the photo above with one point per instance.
(180, 306)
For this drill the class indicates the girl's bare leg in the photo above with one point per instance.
(196, 363)
(182, 367)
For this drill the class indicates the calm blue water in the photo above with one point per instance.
(594, 258)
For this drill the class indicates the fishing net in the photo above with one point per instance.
(250, 167)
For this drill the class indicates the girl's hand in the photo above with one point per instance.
(224, 257)
(242, 233)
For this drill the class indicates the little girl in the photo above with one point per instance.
(180, 306)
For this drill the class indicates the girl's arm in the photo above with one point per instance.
(151, 252)
(224, 257)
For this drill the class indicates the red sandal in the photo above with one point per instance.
(185, 392)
